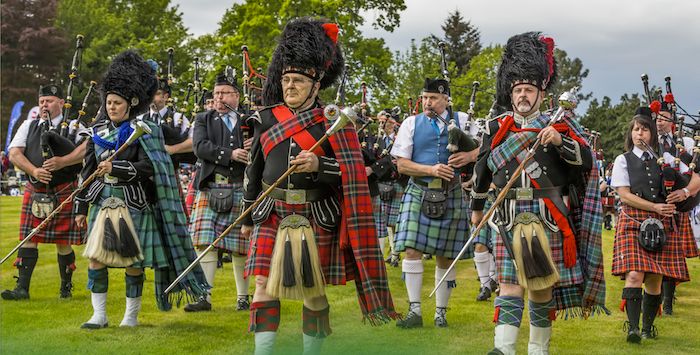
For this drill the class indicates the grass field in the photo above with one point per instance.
(47, 325)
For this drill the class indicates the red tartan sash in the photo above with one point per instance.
(287, 127)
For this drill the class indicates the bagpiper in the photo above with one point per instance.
(316, 227)
(550, 222)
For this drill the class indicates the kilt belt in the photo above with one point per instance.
(296, 196)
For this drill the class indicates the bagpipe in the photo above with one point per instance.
(252, 94)
(62, 141)
(457, 139)
(673, 178)
(171, 123)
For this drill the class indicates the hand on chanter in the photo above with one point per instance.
(664, 209)
(677, 196)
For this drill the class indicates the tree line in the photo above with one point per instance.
(39, 39)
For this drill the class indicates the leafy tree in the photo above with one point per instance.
(612, 121)
(570, 73)
(30, 46)
(462, 39)
(483, 68)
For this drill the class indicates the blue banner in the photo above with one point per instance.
(14, 116)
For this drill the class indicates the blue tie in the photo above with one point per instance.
(227, 122)
(433, 122)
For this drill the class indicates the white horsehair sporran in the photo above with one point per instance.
(536, 270)
(295, 268)
(113, 240)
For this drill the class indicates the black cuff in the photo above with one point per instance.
(247, 220)
(570, 151)
(328, 171)
(123, 170)
(477, 204)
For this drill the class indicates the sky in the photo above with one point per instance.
(617, 40)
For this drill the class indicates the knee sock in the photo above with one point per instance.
(541, 314)
(382, 241)
(650, 307)
(442, 294)
(509, 310)
(481, 260)
(134, 285)
(632, 303)
(25, 263)
(66, 265)
(208, 264)
(413, 275)
(239, 275)
(98, 280)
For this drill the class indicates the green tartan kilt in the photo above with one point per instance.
(441, 237)
(145, 226)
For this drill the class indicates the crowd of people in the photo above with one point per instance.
(314, 202)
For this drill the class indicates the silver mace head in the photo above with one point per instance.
(568, 99)
(140, 128)
(340, 118)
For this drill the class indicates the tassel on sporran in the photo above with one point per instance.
(295, 268)
(117, 247)
(532, 252)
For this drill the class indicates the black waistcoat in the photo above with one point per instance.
(645, 178)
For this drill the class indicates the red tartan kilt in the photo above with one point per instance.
(629, 256)
(191, 194)
(608, 201)
(334, 263)
(62, 228)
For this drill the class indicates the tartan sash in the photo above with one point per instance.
(294, 126)
(587, 219)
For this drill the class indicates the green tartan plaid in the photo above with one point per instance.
(441, 237)
(169, 226)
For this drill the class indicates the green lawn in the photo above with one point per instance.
(46, 324)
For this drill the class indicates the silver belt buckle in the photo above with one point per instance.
(524, 194)
(295, 197)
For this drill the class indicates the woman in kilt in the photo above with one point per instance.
(638, 256)
(136, 219)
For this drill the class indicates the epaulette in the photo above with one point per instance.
(493, 124)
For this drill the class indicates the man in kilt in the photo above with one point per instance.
(391, 184)
(666, 125)
(438, 227)
(315, 228)
(647, 208)
(550, 222)
(222, 153)
(136, 219)
(51, 180)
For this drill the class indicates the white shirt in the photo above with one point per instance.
(20, 139)
(620, 175)
(403, 144)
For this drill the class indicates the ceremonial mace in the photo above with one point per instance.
(567, 102)
(141, 129)
(340, 117)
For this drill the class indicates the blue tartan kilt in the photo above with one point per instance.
(486, 234)
(206, 224)
(568, 277)
(441, 237)
(389, 211)
(146, 228)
